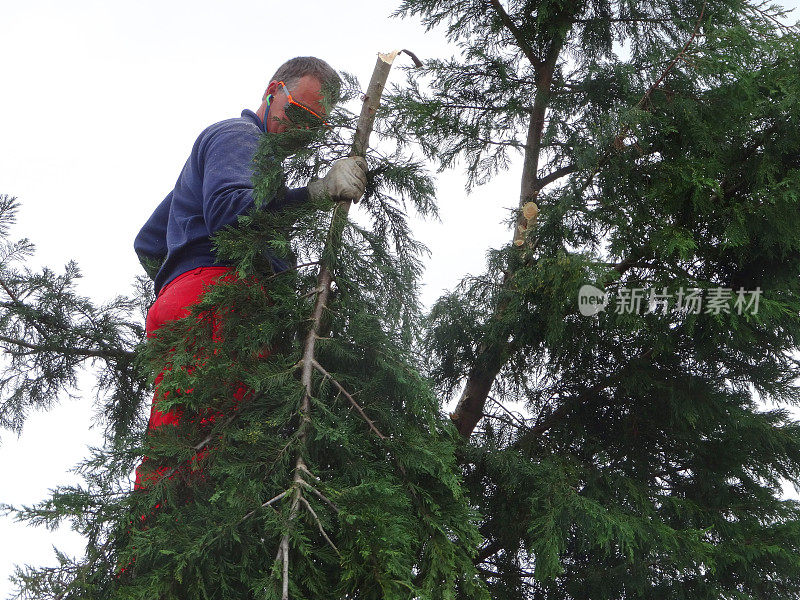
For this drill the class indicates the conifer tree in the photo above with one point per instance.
(333, 475)
(659, 146)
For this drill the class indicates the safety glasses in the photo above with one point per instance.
(308, 116)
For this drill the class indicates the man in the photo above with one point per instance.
(215, 187)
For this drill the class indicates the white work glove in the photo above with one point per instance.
(346, 180)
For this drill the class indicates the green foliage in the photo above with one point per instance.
(645, 463)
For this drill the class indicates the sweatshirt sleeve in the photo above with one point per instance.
(150, 244)
(227, 166)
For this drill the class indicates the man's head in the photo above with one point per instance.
(310, 82)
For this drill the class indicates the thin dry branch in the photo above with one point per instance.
(519, 421)
(321, 496)
(352, 400)
(319, 525)
(266, 504)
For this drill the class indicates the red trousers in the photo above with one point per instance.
(174, 302)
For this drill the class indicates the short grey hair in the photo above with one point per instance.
(294, 69)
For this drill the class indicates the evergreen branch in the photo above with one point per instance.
(319, 525)
(21, 304)
(487, 551)
(36, 322)
(85, 352)
(352, 400)
(200, 446)
(618, 141)
(508, 144)
(484, 109)
(762, 13)
(624, 20)
(631, 261)
(526, 48)
(674, 60)
(543, 425)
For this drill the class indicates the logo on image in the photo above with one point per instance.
(591, 300)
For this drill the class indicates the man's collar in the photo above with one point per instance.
(249, 114)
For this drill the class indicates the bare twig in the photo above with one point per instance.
(266, 504)
(319, 524)
(355, 404)
(321, 496)
(510, 414)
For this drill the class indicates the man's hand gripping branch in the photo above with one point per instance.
(345, 181)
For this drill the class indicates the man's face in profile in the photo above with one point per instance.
(300, 105)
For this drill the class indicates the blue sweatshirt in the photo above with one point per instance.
(214, 188)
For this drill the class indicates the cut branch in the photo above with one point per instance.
(308, 361)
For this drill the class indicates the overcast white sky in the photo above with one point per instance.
(100, 104)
